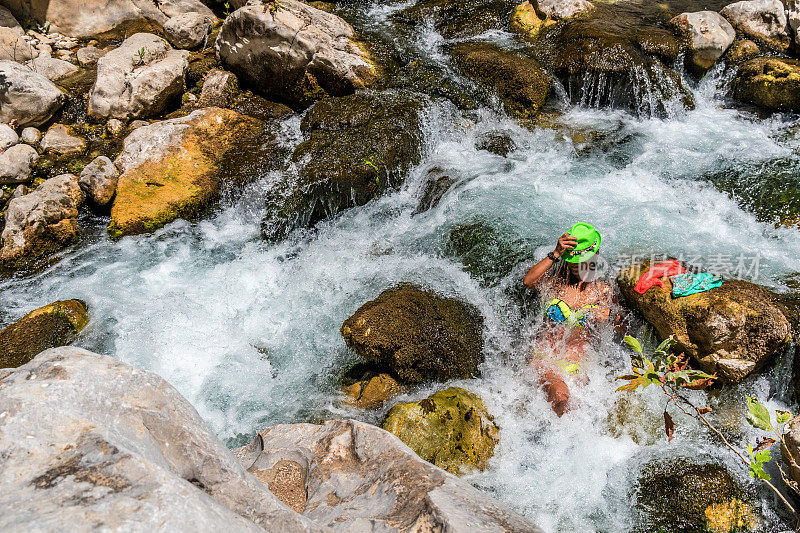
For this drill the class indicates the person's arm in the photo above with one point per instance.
(537, 271)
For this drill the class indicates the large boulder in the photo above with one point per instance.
(709, 36)
(731, 330)
(188, 30)
(683, 496)
(357, 477)
(16, 163)
(518, 80)
(294, 52)
(138, 79)
(51, 68)
(113, 448)
(356, 148)
(169, 168)
(27, 97)
(89, 18)
(451, 429)
(14, 48)
(793, 16)
(763, 21)
(417, 335)
(41, 222)
(772, 83)
(50, 326)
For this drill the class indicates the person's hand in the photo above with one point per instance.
(565, 242)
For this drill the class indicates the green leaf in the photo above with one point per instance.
(782, 416)
(757, 471)
(758, 416)
(666, 345)
(633, 343)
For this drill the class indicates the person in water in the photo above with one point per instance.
(578, 302)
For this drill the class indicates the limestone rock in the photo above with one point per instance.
(793, 16)
(138, 79)
(55, 324)
(356, 148)
(95, 444)
(709, 34)
(42, 221)
(772, 83)
(14, 48)
(418, 335)
(219, 89)
(731, 330)
(28, 98)
(450, 429)
(99, 180)
(59, 141)
(51, 68)
(295, 52)
(8, 137)
(188, 30)
(30, 136)
(361, 478)
(763, 21)
(518, 80)
(563, 9)
(741, 50)
(88, 55)
(169, 168)
(16, 163)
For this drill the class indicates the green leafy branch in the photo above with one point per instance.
(672, 373)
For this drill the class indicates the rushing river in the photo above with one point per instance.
(248, 332)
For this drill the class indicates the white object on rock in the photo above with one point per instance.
(16, 163)
(28, 98)
(138, 79)
(99, 180)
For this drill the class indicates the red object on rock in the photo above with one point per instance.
(656, 272)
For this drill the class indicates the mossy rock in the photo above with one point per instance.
(182, 181)
(770, 83)
(55, 324)
(356, 148)
(488, 254)
(680, 495)
(518, 80)
(370, 393)
(526, 22)
(450, 429)
(740, 51)
(459, 18)
(731, 330)
(417, 335)
(437, 182)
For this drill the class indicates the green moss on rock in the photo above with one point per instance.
(450, 429)
(518, 80)
(55, 324)
(769, 82)
(417, 335)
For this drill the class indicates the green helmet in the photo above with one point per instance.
(588, 243)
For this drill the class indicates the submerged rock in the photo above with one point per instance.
(55, 324)
(450, 429)
(111, 447)
(138, 79)
(519, 81)
(437, 182)
(763, 21)
(769, 82)
(370, 393)
(41, 222)
(731, 330)
(359, 477)
(357, 147)
(293, 51)
(169, 168)
(680, 496)
(709, 36)
(418, 335)
(29, 99)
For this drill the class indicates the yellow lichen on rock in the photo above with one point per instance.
(371, 393)
(525, 20)
(730, 516)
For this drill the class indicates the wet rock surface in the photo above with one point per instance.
(731, 330)
(451, 429)
(361, 477)
(99, 180)
(770, 83)
(119, 448)
(356, 148)
(50, 326)
(418, 335)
